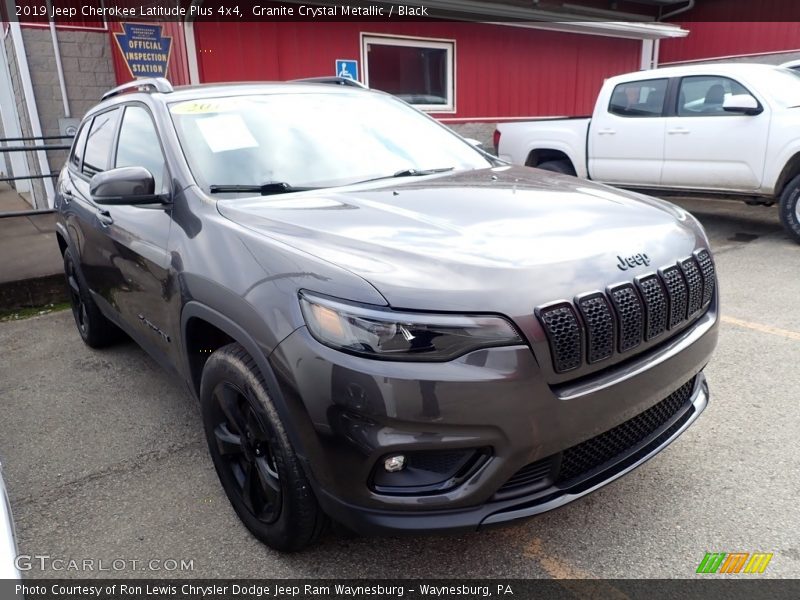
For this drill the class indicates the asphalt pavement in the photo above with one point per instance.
(105, 459)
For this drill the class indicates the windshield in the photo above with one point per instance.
(309, 140)
(784, 86)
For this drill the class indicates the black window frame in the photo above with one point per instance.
(664, 105)
(112, 146)
(115, 145)
(85, 126)
(677, 96)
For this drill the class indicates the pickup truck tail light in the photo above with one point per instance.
(496, 140)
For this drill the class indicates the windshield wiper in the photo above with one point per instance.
(265, 189)
(407, 173)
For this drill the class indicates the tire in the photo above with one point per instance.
(259, 471)
(790, 208)
(557, 166)
(95, 330)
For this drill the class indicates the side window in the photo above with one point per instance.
(79, 146)
(704, 95)
(138, 145)
(639, 98)
(98, 145)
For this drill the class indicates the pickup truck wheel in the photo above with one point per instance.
(557, 166)
(790, 208)
(96, 331)
(255, 462)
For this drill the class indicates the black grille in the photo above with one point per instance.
(630, 314)
(564, 334)
(695, 282)
(678, 296)
(617, 443)
(655, 305)
(707, 269)
(621, 319)
(600, 449)
(599, 326)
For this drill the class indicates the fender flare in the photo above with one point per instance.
(195, 309)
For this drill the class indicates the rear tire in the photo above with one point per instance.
(256, 464)
(790, 208)
(95, 330)
(558, 166)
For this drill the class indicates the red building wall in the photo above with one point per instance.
(500, 71)
(719, 39)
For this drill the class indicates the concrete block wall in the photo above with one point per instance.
(483, 132)
(88, 72)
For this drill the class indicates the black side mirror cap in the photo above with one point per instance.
(124, 185)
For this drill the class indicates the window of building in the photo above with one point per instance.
(704, 95)
(419, 71)
(639, 98)
(139, 145)
(98, 146)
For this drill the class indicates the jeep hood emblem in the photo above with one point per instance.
(631, 262)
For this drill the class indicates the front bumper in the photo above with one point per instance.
(349, 413)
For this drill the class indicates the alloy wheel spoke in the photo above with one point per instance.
(73, 283)
(228, 443)
(268, 477)
(228, 400)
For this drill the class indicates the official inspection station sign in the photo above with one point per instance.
(145, 49)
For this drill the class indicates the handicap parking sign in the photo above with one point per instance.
(347, 69)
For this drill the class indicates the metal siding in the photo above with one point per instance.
(500, 71)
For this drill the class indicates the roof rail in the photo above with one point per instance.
(150, 84)
(332, 79)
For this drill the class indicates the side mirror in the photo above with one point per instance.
(125, 185)
(741, 103)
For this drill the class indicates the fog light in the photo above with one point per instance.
(394, 463)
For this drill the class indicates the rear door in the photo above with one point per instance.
(708, 147)
(626, 138)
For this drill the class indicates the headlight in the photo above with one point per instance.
(391, 335)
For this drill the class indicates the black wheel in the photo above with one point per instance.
(255, 462)
(557, 166)
(96, 331)
(790, 208)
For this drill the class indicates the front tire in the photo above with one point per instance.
(557, 166)
(790, 208)
(96, 331)
(255, 462)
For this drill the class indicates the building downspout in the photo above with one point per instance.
(59, 68)
(33, 112)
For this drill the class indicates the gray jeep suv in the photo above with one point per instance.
(383, 324)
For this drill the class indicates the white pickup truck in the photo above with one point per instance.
(728, 128)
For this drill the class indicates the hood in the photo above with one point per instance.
(500, 240)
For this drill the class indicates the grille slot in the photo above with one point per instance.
(707, 269)
(695, 282)
(564, 334)
(528, 476)
(655, 306)
(678, 295)
(599, 321)
(630, 314)
(595, 452)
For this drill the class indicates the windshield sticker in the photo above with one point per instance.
(204, 107)
(226, 132)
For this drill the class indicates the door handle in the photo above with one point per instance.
(104, 217)
(606, 132)
(67, 196)
(678, 130)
